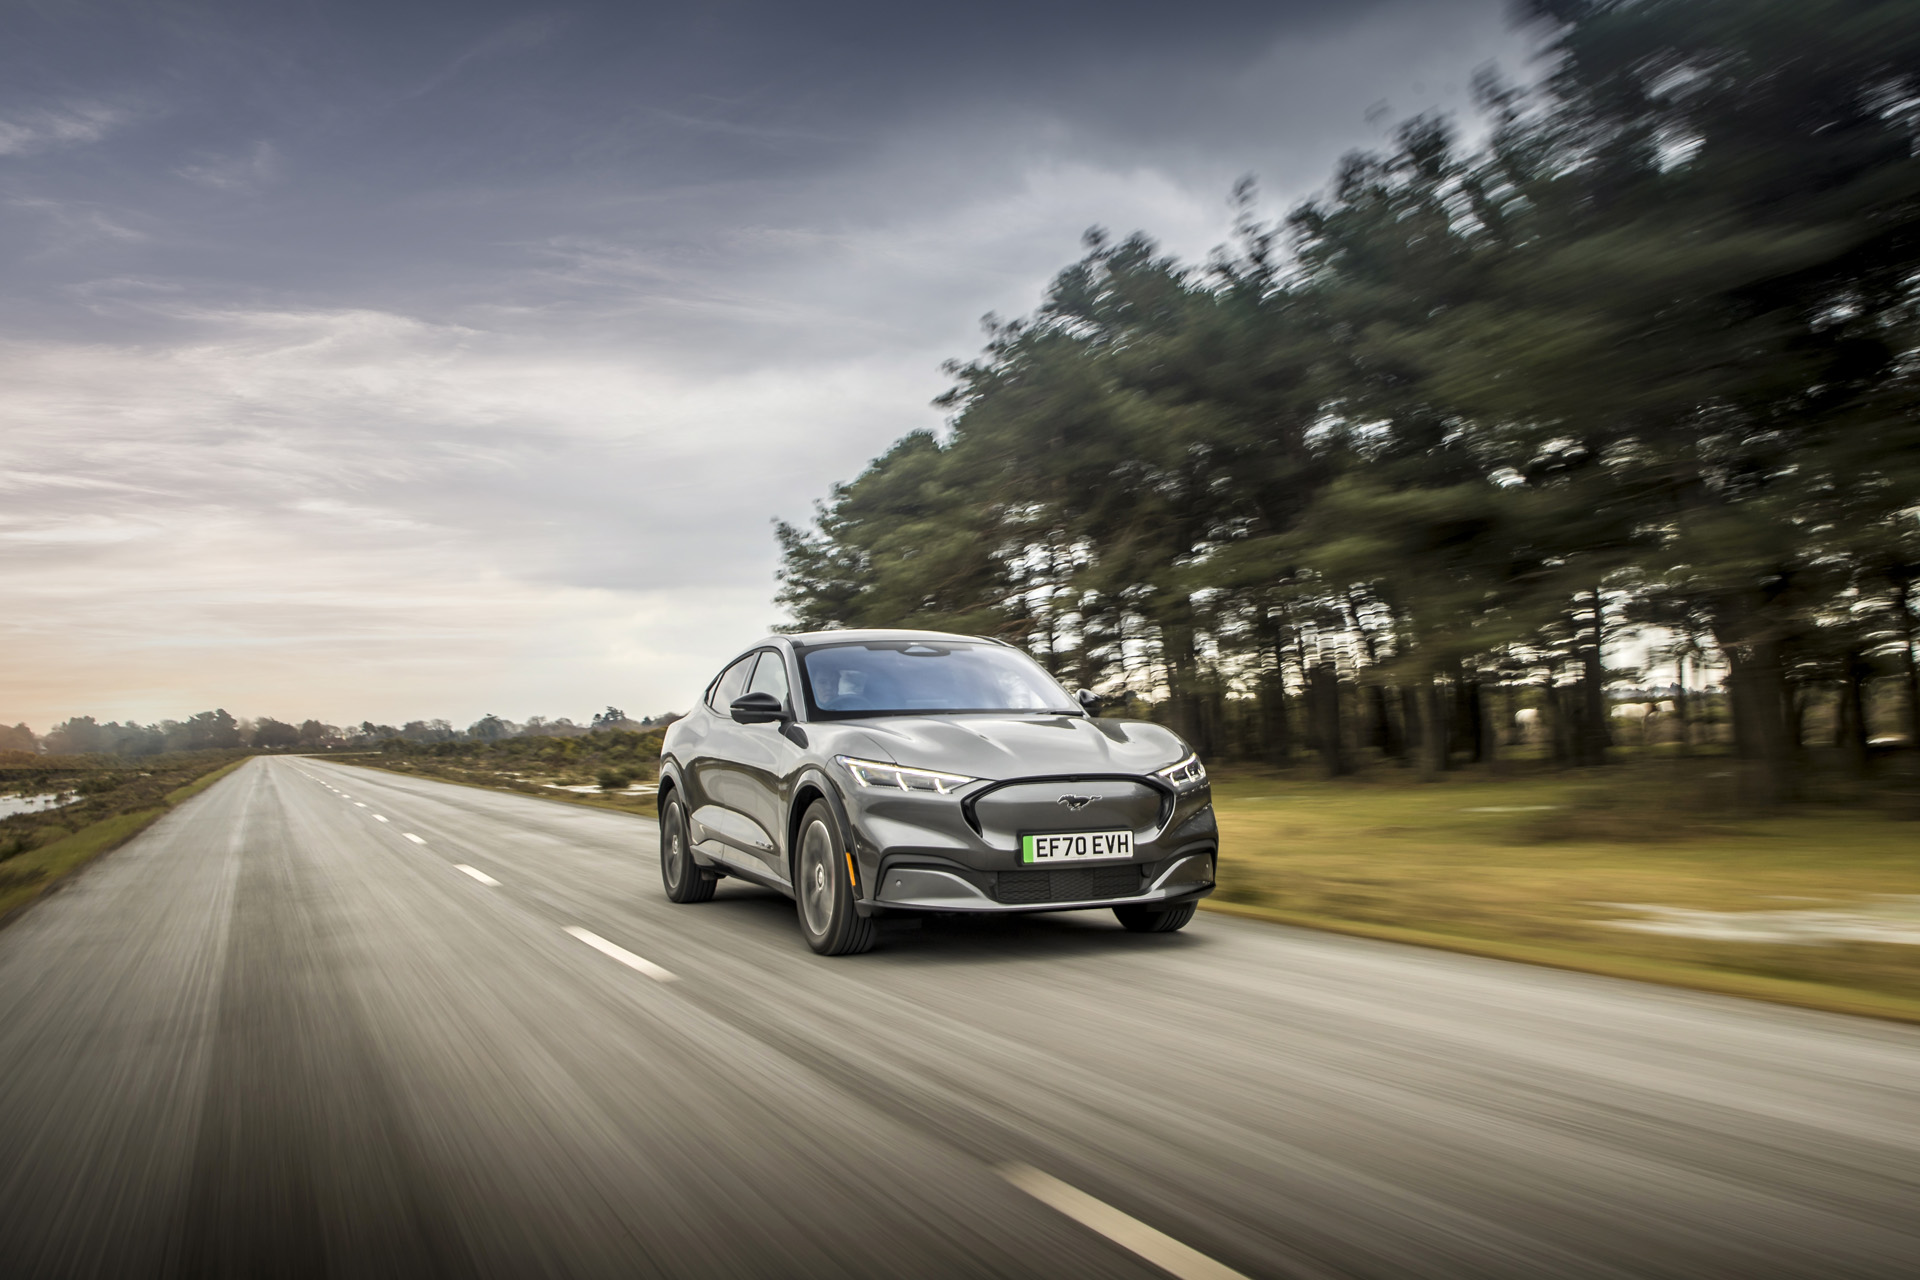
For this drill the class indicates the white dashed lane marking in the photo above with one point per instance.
(621, 954)
(1157, 1247)
(416, 839)
(378, 818)
(477, 874)
(359, 804)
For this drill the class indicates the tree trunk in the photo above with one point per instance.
(1324, 689)
(1852, 713)
(1434, 732)
(1758, 699)
(1591, 740)
(1412, 731)
(1471, 707)
(1682, 713)
(1386, 737)
(1556, 705)
(1910, 663)
(1276, 727)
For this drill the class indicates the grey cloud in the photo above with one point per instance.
(511, 329)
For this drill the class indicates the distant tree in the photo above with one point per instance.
(313, 733)
(77, 735)
(489, 728)
(17, 738)
(206, 731)
(270, 734)
(611, 718)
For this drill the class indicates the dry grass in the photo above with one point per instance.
(1495, 866)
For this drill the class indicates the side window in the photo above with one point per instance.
(770, 676)
(731, 684)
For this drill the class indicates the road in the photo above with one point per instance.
(285, 1033)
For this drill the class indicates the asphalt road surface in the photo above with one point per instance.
(329, 1021)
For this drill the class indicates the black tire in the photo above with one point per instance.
(823, 887)
(685, 879)
(1154, 919)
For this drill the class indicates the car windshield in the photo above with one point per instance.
(915, 677)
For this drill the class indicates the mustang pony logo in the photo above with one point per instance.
(1075, 803)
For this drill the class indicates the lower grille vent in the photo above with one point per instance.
(1068, 884)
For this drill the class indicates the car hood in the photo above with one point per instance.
(1001, 747)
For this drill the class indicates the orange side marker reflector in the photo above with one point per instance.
(853, 881)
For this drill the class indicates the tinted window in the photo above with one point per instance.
(770, 676)
(731, 684)
(905, 678)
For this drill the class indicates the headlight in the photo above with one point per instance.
(1186, 775)
(871, 773)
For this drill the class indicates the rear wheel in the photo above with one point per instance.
(1154, 919)
(686, 881)
(823, 888)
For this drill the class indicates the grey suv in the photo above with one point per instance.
(876, 773)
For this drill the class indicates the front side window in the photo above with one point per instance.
(770, 676)
(901, 678)
(731, 684)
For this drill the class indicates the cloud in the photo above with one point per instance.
(248, 171)
(485, 394)
(27, 132)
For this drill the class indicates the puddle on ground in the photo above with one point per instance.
(10, 805)
(1891, 919)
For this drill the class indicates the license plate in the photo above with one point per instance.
(1076, 846)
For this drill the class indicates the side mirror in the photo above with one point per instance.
(1090, 702)
(758, 708)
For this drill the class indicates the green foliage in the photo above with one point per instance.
(1646, 356)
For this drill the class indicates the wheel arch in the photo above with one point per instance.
(812, 786)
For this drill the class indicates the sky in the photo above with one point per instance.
(398, 361)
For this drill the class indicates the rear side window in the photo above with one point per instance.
(731, 684)
(770, 676)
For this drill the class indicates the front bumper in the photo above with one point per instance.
(908, 884)
(921, 853)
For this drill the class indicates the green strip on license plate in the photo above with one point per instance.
(1076, 846)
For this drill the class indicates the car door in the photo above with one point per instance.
(712, 771)
(768, 760)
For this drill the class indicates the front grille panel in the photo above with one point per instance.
(1068, 884)
(1008, 810)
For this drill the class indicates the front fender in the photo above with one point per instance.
(865, 856)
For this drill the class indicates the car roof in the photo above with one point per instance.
(804, 639)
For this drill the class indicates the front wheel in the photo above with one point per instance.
(1143, 919)
(684, 878)
(823, 888)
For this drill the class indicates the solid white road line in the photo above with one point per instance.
(477, 874)
(1161, 1250)
(378, 818)
(416, 839)
(621, 954)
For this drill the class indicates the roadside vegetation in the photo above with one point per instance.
(608, 768)
(79, 806)
(1650, 870)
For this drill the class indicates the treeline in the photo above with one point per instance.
(1642, 358)
(217, 730)
(609, 755)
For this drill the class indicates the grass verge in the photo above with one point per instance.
(27, 877)
(1798, 908)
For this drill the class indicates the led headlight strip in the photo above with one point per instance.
(1188, 773)
(893, 777)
